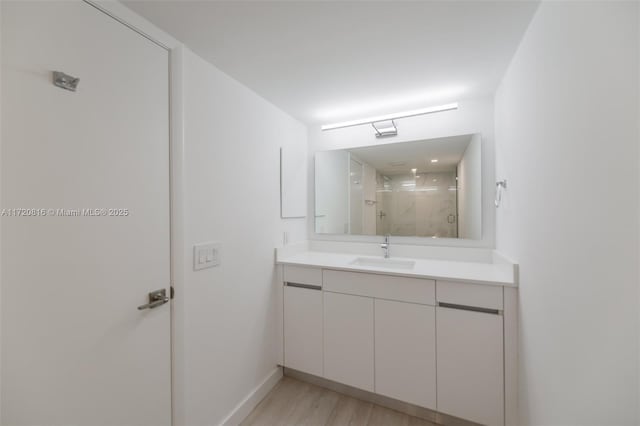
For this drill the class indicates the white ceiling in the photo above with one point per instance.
(324, 61)
(399, 158)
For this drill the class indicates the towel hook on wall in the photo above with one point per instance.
(501, 185)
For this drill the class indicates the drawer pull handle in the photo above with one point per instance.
(470, 308)
(307, 286)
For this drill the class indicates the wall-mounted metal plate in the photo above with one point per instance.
(65, 81)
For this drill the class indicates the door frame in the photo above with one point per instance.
(146, 29)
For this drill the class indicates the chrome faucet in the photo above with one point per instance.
(385, 246)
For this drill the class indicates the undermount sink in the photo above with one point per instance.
(381, 262)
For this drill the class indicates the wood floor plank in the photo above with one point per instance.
(295, 403)
(314, 407)
(350, 412)
(381, 416)
(274, 409)
(416, 421)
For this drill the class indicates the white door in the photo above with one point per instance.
(75, 348)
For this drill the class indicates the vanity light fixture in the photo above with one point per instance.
(388, 117)
(434, 160)
(414, 171)
(385, 128)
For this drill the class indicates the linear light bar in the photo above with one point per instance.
(412, 113)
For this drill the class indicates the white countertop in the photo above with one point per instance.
(502, 274)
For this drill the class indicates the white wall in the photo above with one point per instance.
(473, 116)
(231, 164)
(470, 191)
(293, 181)
(567, 141)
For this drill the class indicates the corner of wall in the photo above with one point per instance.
(244, 407)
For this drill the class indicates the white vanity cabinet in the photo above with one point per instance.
(302, 313)
(405, 352)
(470, 352)
(348, 340)
(376, 339)
(441, 345)
(303, 329)
(470, 366)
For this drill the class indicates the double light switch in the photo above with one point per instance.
(206, 255)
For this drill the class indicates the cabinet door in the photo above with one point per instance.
(405, 352)
(303, 329)
(348, 340)
(470, 365)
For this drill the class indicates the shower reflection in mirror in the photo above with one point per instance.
(426, 188)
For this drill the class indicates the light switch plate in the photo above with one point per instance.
(206, 255)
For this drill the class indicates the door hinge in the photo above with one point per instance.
(172, 292)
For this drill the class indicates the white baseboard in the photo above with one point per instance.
(247, 405)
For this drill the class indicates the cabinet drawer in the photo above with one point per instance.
(303, 275)
(477, 295)
(403, 289)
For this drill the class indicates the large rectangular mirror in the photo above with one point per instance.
(425, 188)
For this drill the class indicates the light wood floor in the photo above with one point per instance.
(292, 402)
